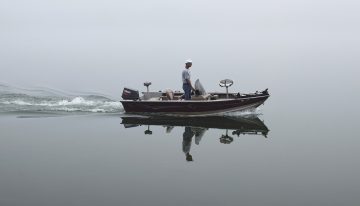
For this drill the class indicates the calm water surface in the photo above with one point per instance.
(300, 148)
(283, 156)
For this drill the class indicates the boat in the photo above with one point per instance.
(201, 103)
(245, 125)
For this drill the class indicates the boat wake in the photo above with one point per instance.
(13, 99)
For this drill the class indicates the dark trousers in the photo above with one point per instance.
(187, 91)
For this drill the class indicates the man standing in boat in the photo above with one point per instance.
(187, 86)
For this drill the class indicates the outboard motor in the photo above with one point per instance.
(130, 94)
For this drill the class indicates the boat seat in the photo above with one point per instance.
(200, 97)
(169, 94)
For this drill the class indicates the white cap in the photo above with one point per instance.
(188, 61)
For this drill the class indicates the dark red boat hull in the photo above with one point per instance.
(194, 107)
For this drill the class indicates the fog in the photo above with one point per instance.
(102, 46)
(67, 149)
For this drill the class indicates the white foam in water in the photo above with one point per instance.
(77, 101)
(23, 101)
(97, 110)
(18, 102)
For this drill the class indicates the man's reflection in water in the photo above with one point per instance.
(187, 139)
(186, 145)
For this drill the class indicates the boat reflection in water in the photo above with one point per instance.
(197, 126)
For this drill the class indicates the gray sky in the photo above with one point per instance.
(102, 46)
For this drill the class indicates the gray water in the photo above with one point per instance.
(308, 155)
